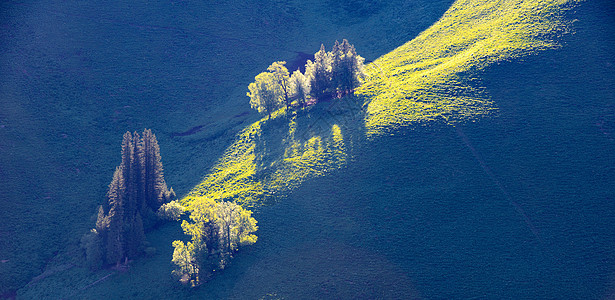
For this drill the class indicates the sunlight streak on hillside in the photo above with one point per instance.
(431, 77)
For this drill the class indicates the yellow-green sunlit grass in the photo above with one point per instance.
(427, 78)
(254, 167)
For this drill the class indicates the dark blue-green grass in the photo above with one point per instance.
(76, 77)
(517, 206)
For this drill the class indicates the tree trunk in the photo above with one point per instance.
(228, 238)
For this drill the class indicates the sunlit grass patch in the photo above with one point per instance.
(433, 77)
(430, 77)
(273, 156)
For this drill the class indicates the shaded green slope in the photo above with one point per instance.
(273, 156)
(427, 78)
(77, 76)
(418, 210)
(283, 131)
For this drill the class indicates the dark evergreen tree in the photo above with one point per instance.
(93, 247)
(154, 185)
(138, 173)
(349, 67)
(102, 222)
(135, 237)
(128, 166)
(115, 232)
(336, 59)
(138, 188)
(319, 73)
(147, 169)
(102, 227)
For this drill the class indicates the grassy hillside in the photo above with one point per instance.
(431, 212)
(76, 77)
(432, 76)
(518, 206)
(429, 78)
(273, 156)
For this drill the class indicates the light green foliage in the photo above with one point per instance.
(170, 211)
(227, 214)
(300, 87)
(266, 95)
(427, 78)
(202, 214)
(184, 258)
(216, 231)
(282, 77)
(246, 225)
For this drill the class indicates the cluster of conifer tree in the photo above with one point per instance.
(217, 230)
(337, 72)
(136, 192)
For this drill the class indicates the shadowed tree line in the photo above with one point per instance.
(136, 192)
(332, 74)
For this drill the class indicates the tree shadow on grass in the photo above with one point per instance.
(306, 143)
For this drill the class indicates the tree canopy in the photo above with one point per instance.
(281, 75)
(217, 230)
(330, 74)
(300, 87)
(319, 73)
(265, 93)
(347, 66)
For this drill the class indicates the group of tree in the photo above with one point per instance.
(217, 230)
(337, 72)
(137, 197)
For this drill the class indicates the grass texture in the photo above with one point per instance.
(426, 79)
(273, 156)
(430, 77)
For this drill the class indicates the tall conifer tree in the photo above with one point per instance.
(349, 68)
(155, 187)
(137, 189)
(336, 58)
(115, 236)
(319, 73)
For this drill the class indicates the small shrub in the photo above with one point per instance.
(170, 211)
